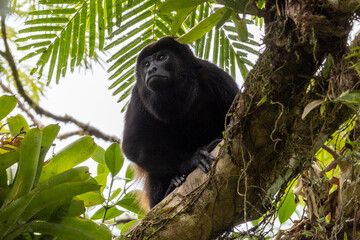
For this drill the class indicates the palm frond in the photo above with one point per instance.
(222, 45)
(140, 25)
(64, 33)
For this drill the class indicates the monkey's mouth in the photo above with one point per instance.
(157, 82)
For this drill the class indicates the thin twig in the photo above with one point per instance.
(66, 119)
(70, 134)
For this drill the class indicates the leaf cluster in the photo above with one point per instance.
(48, 197)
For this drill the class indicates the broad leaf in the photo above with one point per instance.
(99, 155)
(70, 156)
(28, 163)
(56, 194)
(8, 159)
(91, 199)
(287, 208)
(16, 124)
(114, 159)
(203, 27)
(84, 225)
(7, 104)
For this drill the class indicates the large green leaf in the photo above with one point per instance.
(77, 174)
(8, 159)
(127, 226)
(91, 199)
(179, 19)
(9, 214)
(56, 194)
(96, 231)
(28, 163)
(70, 156)
(76, 208)
(109, 16)
(65, 230)
(350, 97)
(287, 208)
(203, 27)
(7, 104)
(241, 28)
(16, 124)
(49, 134)
(99, 155)
(48, 20)
(114, 158)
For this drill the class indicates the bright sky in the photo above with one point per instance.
(85, 96)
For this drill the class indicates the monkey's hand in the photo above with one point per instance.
(203, 158)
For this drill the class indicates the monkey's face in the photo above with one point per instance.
(157, 70)
(166, 79)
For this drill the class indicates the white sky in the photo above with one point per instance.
(85, 96)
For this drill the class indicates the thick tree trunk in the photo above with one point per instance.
(267, 142)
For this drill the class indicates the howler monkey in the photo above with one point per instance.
(178, 106)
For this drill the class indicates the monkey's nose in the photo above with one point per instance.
(152, 69)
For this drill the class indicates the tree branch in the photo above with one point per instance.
(70, 134)
(66, 119)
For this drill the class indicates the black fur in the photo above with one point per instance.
(164, 129)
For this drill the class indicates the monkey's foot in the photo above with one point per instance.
(175, 182)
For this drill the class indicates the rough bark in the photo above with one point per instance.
(267, 142)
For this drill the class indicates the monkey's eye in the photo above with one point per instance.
(146, 64)
(162, 57)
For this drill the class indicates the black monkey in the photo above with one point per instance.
(178, 106)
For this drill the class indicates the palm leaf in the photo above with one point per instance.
(78, 28)
(152, 24)
(59, 30)
(129, 41)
